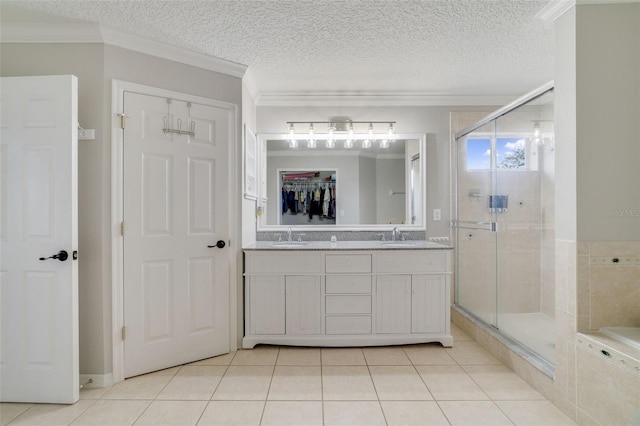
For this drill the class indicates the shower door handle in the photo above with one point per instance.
(468, 224)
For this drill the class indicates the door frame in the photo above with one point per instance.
(118, 89)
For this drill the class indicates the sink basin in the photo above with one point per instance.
(289, 243)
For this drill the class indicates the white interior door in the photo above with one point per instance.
(39, 298)
(176, 280)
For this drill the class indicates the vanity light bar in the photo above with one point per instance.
(340, 130)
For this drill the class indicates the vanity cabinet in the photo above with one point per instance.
(347, 298)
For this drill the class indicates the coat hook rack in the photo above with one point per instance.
(191, 132)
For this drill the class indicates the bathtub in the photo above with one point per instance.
(627, 335)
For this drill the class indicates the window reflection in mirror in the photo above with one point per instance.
(371, 187)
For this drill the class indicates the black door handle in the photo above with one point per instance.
(219, 244)
(61, 256)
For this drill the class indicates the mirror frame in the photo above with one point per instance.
(262, 192)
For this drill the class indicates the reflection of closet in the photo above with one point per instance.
(307, 194)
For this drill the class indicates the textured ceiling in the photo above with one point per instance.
(446, 47)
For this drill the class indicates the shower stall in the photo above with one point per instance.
(504, 223)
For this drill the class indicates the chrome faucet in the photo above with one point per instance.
(396, 235)
(289, 234)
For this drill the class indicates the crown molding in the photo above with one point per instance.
(377, 99)
(95, 33)
(554, 9)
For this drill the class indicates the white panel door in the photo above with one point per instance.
(303, 304)
(427, 303)
(38, 218)
(393, 304)
(176, 281)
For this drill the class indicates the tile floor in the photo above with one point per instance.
(400, 385)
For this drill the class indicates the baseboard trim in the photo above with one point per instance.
(91, 381)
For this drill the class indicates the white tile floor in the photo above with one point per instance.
(401, 385)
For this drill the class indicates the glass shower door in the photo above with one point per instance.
(475, 223)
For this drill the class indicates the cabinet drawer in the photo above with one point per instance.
(348, 304)
(283, 263)
(348, 325)
(412, 261)
(348, 284)
(344, 263)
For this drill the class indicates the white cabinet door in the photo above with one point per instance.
(393, 303)
(428, 302)
(266, 304)
(303, 304)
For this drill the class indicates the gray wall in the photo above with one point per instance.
(367, 192)
(608, 128)
(95, 65)
(390, 176)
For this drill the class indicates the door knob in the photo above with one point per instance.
(61, 256)
(219, 244)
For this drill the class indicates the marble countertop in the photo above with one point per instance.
(347, 245)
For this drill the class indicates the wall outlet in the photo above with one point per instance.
(437, 214)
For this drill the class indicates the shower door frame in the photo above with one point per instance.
(491, 226)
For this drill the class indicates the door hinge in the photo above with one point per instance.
(122, 228)
(123, 120)
(123, 333)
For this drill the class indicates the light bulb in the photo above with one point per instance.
(291, 137)
(366, 143)
(350, 131)
(391, 133)
(311, 143)
(331, 139)
(384, 144)
(348, 143)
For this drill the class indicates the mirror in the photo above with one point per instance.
(320, 188)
